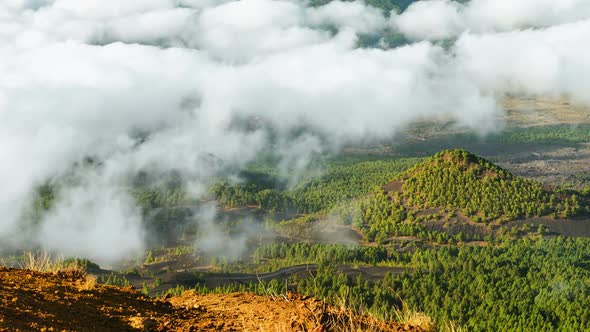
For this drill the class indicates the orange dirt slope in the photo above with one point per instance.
(67, 301)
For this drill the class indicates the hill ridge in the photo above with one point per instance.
(462, 159)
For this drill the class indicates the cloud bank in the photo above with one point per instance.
(85, 79)
(441, 19)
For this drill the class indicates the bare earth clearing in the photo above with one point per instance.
(547, 164)
(540, 111)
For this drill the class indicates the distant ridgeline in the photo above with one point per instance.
(456, 187)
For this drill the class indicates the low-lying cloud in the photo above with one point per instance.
(442, 19)
(82, 79)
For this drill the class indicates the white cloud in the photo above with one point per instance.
(93, 221)
(505, 15)
(548, 62)
(442, 19)
(354, 15)
(241, 30)
(434, 19)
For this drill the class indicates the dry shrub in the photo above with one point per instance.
(343, 317)
(88, 283)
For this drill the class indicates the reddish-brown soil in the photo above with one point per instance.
(393, 186)
(33, 301)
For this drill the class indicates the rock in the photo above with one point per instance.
(142, 323)
(199, 307)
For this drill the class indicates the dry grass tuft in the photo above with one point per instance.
(38, 261)
(42, 261)
(88, 283)
(407, 316)
(343, 317)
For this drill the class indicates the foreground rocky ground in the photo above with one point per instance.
(72, 301)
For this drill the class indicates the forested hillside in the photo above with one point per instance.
(457, 179)
(341, 181)
(455, 187)
(530, 284)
